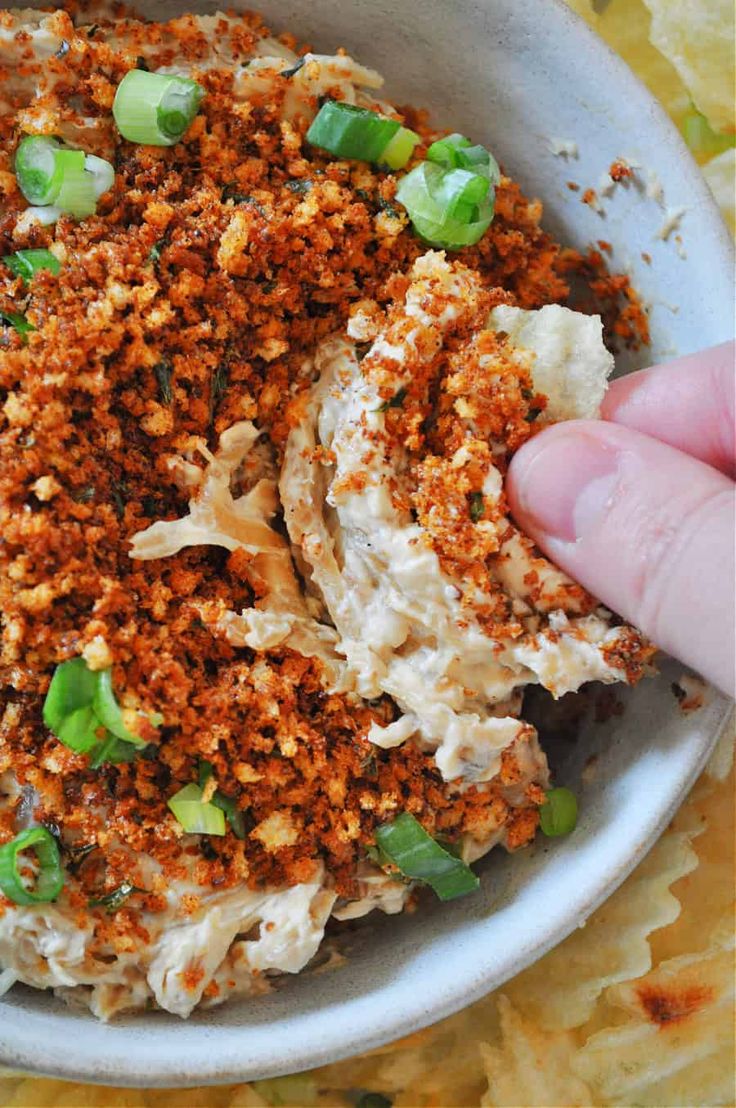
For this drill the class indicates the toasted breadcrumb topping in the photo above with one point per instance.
(190, 301)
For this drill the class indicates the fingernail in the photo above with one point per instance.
(566, 482)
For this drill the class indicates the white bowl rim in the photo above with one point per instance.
(222, 1062)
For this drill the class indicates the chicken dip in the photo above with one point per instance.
(268, 344)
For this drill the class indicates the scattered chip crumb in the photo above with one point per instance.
(671, 222)
(689, 692)
(563, 148)
(654, 189)
(573, 186)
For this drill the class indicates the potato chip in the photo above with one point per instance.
(706, 894)
(672, 1049)
(531, 1066)
(698, 38)
(720, 173)
(624, 27)
(560, 991)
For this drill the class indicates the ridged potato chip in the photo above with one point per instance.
(531, 1067)
(560, 991)
(706, 894)
(698, 38)
(671, 1051)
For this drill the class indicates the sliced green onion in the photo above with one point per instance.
(81, 710)
(559, 813)
(196, 816)
(27, 263)
(457, 152)
(225, 803)
(76, 193)
(52, 174)
(450, 197)
(155, 109)
(103, 174)
(443, 207)
(351, 132)
(37, 170)
(19, 322)
(50, 878)
(399, 149)
(108, 710)
(71, 693)
(417, 855)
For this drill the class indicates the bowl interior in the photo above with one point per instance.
(513, 74)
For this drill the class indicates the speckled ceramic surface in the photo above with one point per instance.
(512, 73)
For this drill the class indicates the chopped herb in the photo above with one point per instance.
(83, 496)
(218, 388)
(154, 254)
(63, 49)
(294, 68)
(477, 506)
(92, 31)
(76, 855)
(19, 322)
(525, 392)
(230, 192)
(364, 196)
(396, 401)
(115, 899)
(207, 850)
(162, 372)
(141, 63)
(149, 505)
(119, 492)
(388, 207)
(301, 185)
(532, 414)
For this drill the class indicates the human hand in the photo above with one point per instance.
(639, 506)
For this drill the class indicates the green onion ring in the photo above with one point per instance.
(50, 880)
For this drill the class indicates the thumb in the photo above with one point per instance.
(647, 529)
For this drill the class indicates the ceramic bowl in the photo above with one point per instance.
(513, 74)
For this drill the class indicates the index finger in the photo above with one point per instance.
(687, 403)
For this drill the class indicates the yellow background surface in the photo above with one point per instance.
(634, 1008)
